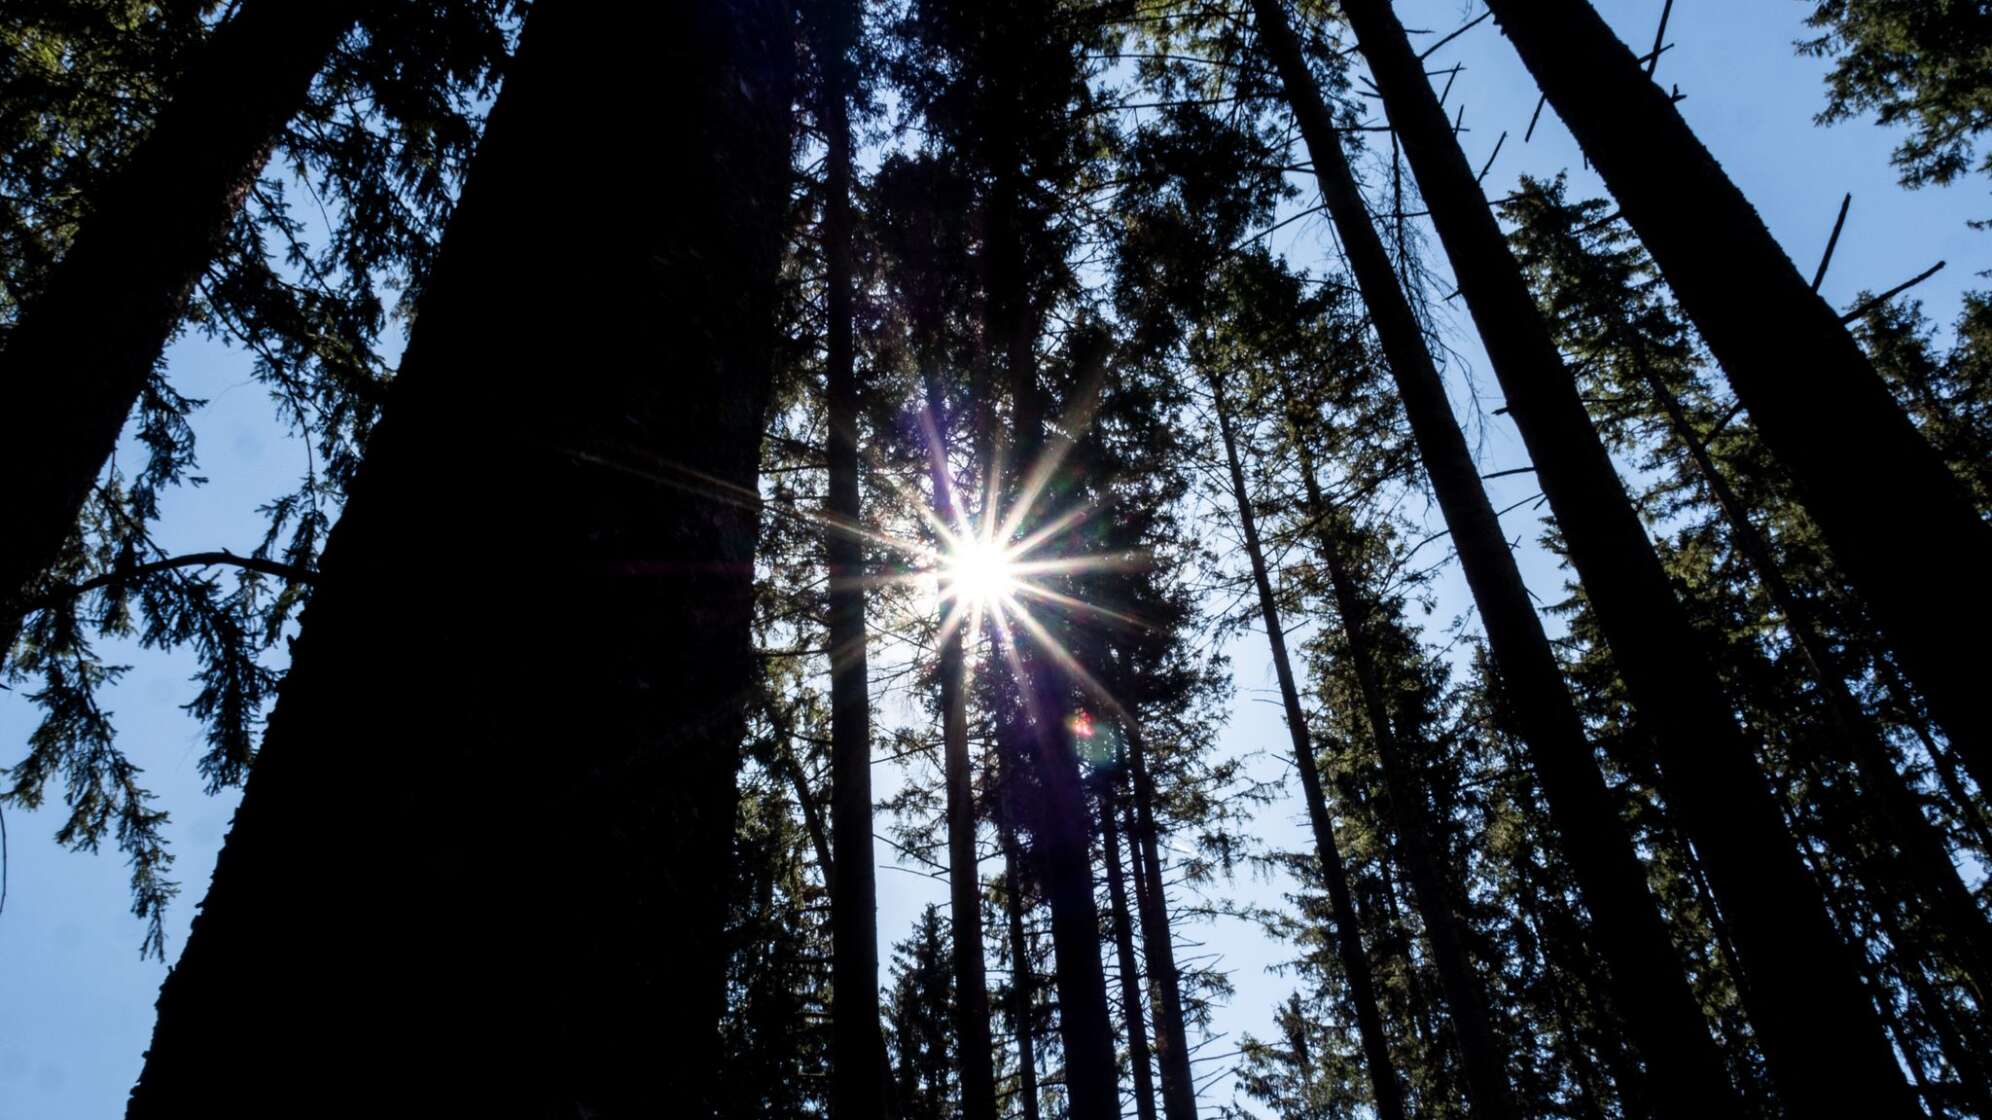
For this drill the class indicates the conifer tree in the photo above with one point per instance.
(1805, 992)
(1658, 1008)
(105, 310)
(1760, 318)
(611, 456)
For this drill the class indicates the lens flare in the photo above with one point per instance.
(978, 573)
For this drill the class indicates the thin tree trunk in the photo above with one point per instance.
(1386, 1089)
(419, 951)
(1484, 1059)
(1023, 983)
(1158, 948)
(856, 1045)
(82, 350)
(974, 1047)
(1648, 980)
(1864, 472)
(1130, 973)
(1923, 849)
(1942, 759)
(1818, 1029)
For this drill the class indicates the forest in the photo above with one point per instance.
(1038, 559)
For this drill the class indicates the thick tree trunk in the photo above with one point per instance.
(82, 350)
(1130, 972)
(1865, 474)
(583, 395)
(1648, 980)
(1818, 1028)
(1158, 948)
(1062, 835)
(1482, 1056)
(1023, 982)
(1386, 1090)
(856, 1045)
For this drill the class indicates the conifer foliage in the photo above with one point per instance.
(779, 638)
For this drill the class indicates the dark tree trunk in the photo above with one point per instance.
(1062, 835)
(1158, 948)
(856, 1046)
(1023, 982)
(1648, 981)
(1818, 1028)
(1865, 474)
(1385, 1087)
(1130, 972)
(1924, 852)
(1481, 1054)
(972, 1037)
(80, 353)
(585, 391)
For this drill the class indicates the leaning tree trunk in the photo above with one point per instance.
(1648, 980)
(1817, 1025)
(1484, 1060)
(1864, 473)
(1965, 932)
(1130, 972)
(1387, 1091)
(857, 1048)
(583, 399)
(82, 349)
(1158, 947)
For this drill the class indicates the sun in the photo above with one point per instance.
(978, 573)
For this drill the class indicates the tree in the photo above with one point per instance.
(1805, 993)
(1387, 1093)
(1659, 1010)
(1760, 318)
(1921, 66)
(854, 893)
(611, 487)
(106, 309)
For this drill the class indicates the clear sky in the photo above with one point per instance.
(76, 1000)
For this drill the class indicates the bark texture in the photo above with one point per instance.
(485, 873)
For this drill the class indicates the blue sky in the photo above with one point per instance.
(75, 999)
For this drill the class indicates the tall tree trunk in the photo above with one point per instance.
(1864, 472)
(1023, 983)
(592, 362)
(973, 1045)
(1386, 1090)
(1130, 973)
(1484, 1059)
(1927, 857)
(1063, 838)
(1648, 981)
(856, 1045)
(1158, 948)
(1818, 1028)
(80, 353)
